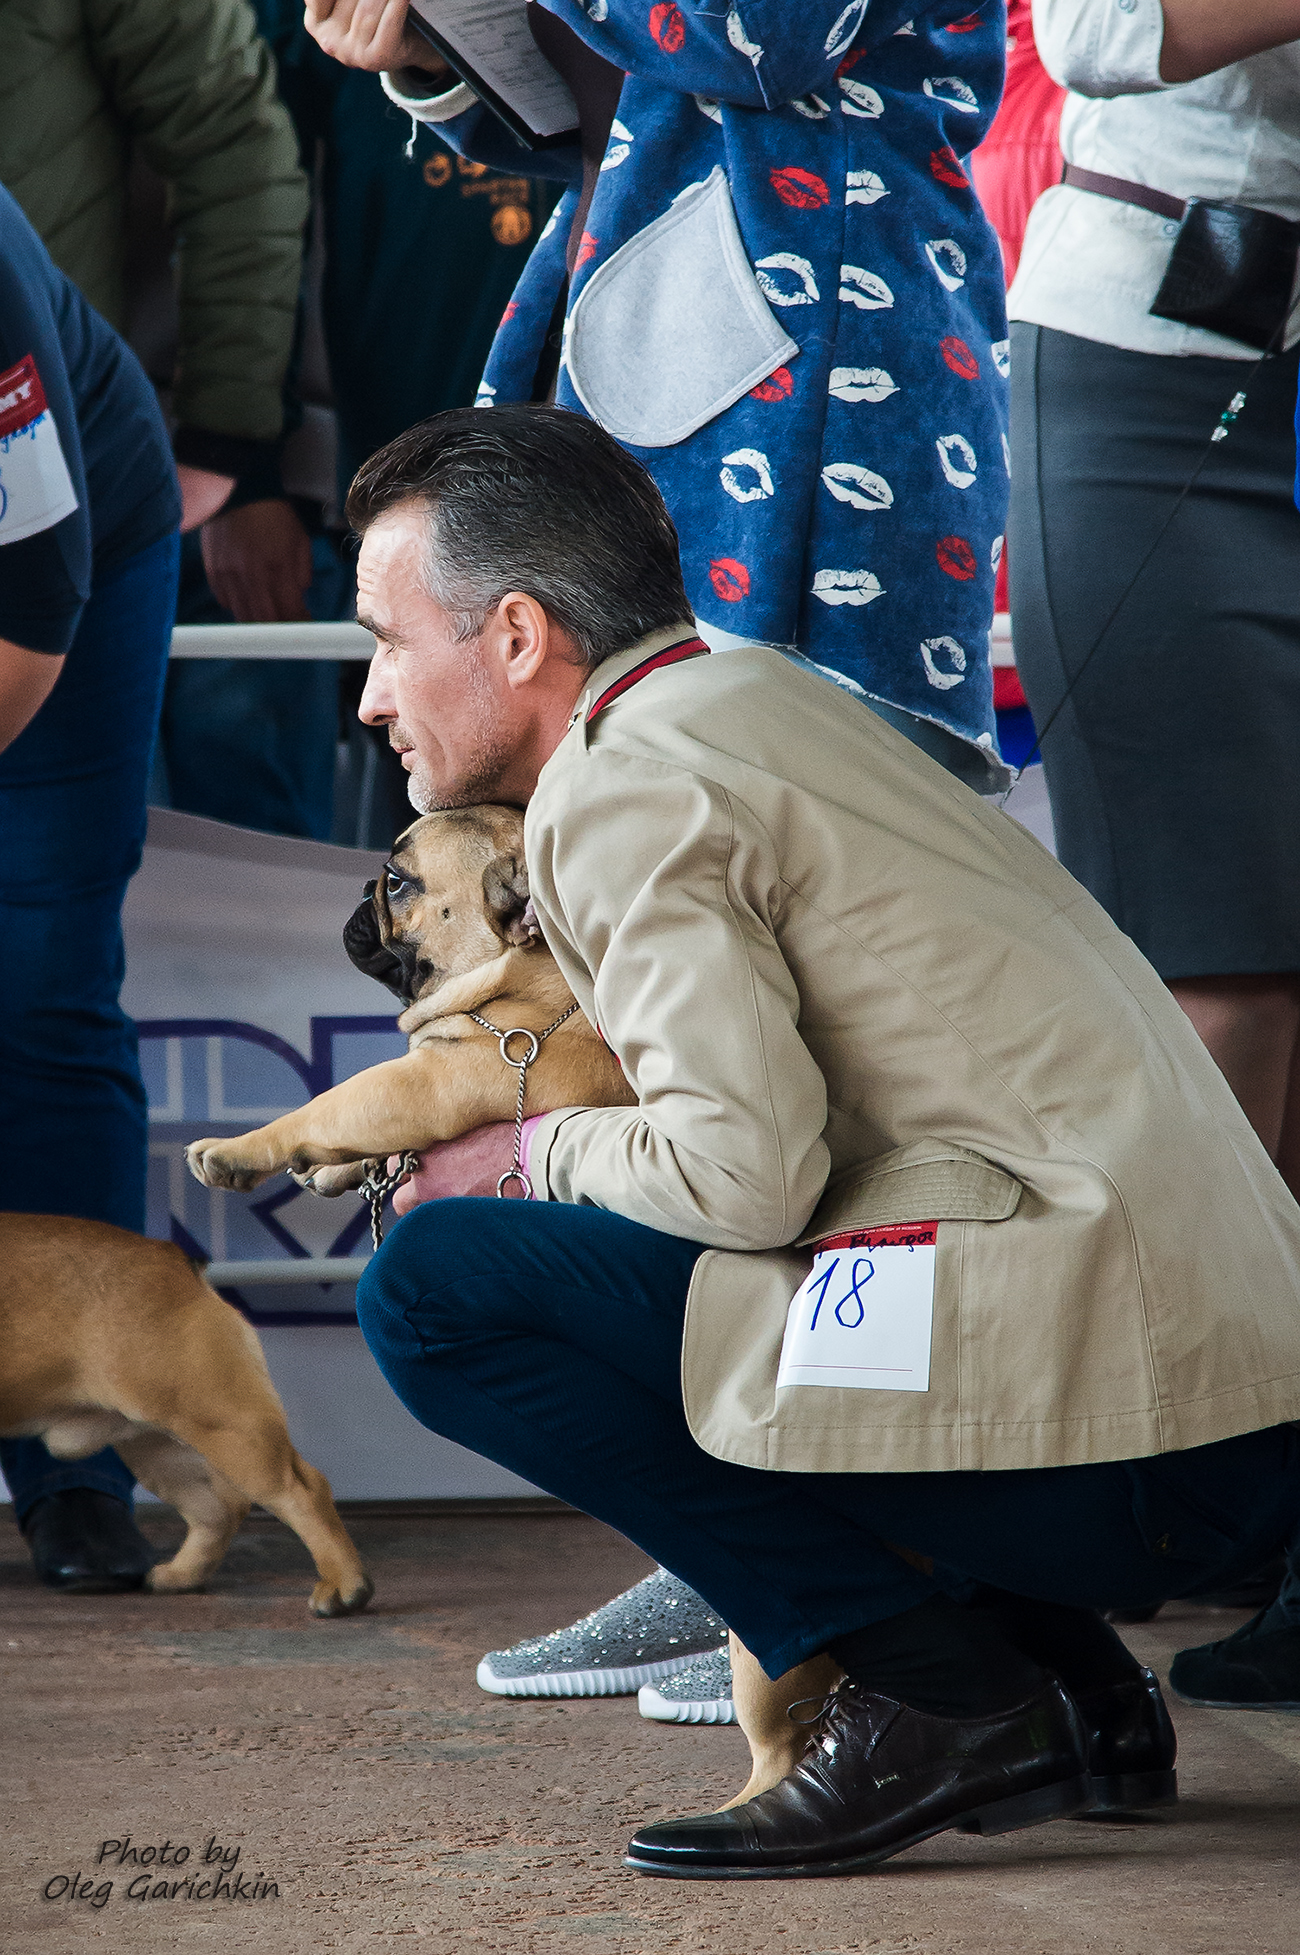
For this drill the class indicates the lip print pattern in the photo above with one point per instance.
(860, 99)
(842, 33)
(933, 649)
(707, 106)
(952, 90)
(860, 487)
(1001, 351)
(864, 187)
(861, 384)
(596, 11)
(847, 586)
(966, 25)
(958, 356)
(587, 248)
(620, 145)
(740, 40)
(800, 189)
(863, 288)
(668, 27)
(957, 460)
(730, 580)
(786, 261)
(750, 461)
(947, 248)
(812, 106)
(955, 558)
(1006, 454)
(486, 396)
(995, 554)
(945, 167)
(778, 386)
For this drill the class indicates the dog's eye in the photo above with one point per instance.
(394, 883)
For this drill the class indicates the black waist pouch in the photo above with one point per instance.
(1231, 271)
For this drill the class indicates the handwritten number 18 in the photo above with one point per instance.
(852, 1295)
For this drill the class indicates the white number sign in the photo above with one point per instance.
(864, 1315)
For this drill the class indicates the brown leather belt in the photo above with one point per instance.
(1122, 192)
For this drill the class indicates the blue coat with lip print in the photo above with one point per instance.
(849, 500)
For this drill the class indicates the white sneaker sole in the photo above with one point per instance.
(663, 1710)
(580, 1683)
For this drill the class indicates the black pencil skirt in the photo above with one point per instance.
(1173, 766)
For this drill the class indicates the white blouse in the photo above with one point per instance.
(1091, 266)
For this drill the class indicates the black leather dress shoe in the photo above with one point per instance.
(877, 1777)
(86, 1543)
(1131, 1745)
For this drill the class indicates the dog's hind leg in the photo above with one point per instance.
(211, 1506)
(261, 1464)
(763, 1707)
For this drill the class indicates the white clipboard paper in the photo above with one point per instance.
(490, 45)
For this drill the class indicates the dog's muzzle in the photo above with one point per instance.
(393, 964)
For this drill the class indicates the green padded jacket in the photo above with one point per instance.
(191, 85)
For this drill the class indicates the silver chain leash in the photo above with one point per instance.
(535, 1041)
(379, 1184)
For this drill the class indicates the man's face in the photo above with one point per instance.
(449, 715)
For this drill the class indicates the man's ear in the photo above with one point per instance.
(509, 907)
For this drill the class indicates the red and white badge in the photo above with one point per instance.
(35, 487)
(864, 1315)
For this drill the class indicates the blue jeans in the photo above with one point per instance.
(253, 741)
(548, 1336)
(72, 813)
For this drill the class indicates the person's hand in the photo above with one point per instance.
(471, 1165)
(371, 34)
(202, 494)
(258, 562)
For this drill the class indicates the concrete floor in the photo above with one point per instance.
(356, 1765)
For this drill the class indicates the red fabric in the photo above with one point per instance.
(1007, 689)
(1021, 155)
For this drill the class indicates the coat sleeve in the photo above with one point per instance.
(1096, 48)
(474, 132)
(195, 84)
(757, 54)
(661, 898)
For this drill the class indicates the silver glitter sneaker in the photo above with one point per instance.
(698, 1694)
(645, 1633)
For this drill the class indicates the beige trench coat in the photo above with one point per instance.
(849, 992)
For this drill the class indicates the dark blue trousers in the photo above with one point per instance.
(548, 1337)
(72, 813)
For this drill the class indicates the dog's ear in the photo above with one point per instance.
(509, 906)
(364, 944)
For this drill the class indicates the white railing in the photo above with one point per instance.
(341, 641)
(293, 1269)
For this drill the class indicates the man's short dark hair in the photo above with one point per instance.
(533, 499)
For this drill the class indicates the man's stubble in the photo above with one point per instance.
(481, 770)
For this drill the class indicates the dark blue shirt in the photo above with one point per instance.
(111, 433)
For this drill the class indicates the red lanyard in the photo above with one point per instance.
(672, 655)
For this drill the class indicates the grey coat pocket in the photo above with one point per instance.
(674, 328)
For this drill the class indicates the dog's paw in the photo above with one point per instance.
(328, 1600)
(332, 1180)
(165, 1579)
(221, 1164)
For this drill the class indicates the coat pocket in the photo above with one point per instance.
(674, 328)
(928, 1180)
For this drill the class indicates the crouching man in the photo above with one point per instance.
(935, 1229)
